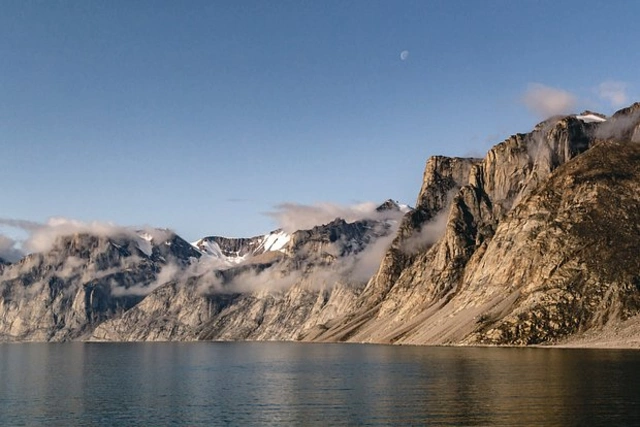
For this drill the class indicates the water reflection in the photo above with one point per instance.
(314, 384)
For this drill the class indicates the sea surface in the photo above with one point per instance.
(244, 384)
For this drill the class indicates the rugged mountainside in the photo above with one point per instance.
(536, 243)
(142, 287)
(315, 279)
(511, 262)
(81, 281)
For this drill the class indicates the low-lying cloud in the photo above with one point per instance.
(42, 236)
(209, 272)
(294, 216)
(167, 273)
(362, 266)
(546, 101)
(429, 234)
(354, 268)
(621, 127)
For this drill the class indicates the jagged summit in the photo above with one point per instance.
(392, 205)
(235, 251)
(628, 111)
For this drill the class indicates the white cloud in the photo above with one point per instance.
(293, 216)
(42, 236)
(429, 234)
(615, 93)
(167, 274)
(546, 101)
(621, 127)
(362, 266)
(21, 224)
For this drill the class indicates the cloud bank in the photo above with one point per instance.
(294, 216)
(211, 275)
(42, 236)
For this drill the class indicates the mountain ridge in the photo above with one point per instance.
(531, 245)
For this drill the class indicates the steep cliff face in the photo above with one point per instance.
(184, 311)
(443, 177)
(459, 206)
(484, 282)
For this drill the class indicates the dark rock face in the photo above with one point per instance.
(330, 241)
(174, 249)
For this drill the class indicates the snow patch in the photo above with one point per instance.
(591, 118)
(275, 241)
(144, 243)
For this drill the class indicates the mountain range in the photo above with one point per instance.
(537, 243)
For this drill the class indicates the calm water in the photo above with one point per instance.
(314, 384)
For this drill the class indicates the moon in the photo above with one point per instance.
(404, 55)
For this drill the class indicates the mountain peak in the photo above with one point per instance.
(392, 205)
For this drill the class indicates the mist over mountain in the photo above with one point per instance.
(536, 243)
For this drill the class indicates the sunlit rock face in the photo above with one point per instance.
(528, 253)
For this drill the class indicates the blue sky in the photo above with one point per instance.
(202, 116)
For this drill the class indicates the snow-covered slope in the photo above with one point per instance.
(274, 241)
(234, 251)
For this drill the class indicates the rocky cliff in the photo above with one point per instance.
(536, 243)
(524, 258)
